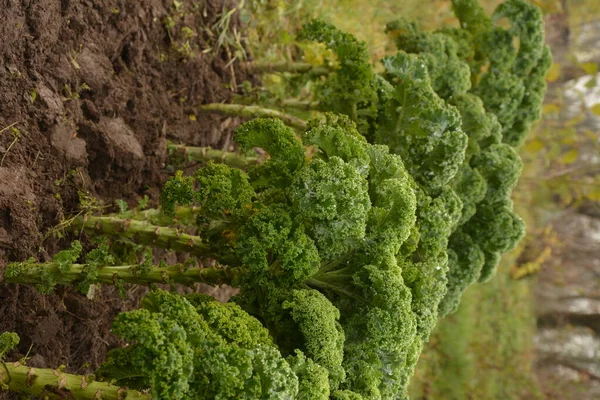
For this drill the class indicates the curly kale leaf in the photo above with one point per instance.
(323, 337)
(465, 262)
(482, 128)
(336, 135)
(380, 330)
(526, 21)
(450, 75)
(332, 200)
(178, 189)
(264, 230)
(313, 381)
(492, 259)
(8, 341)
(419, 125)
(513, 86)
(502, 93)
(300, 320)
(286, 152)
(394, 203)
(500, 165)
(369, 290)
(496, 227)
(530, 108)
(424, 270)
(181, 351)
(229, 321)
(471, 187)
(222, 191)
(352, 88)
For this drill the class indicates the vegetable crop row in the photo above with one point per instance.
(348, 235)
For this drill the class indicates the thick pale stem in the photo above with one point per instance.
(205, 154)
(300, 104)
(293, 67)
(185, 215)
(36, 273)
(54, 384)
(240, 110)
(145, 233)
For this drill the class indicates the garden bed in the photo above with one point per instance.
(89, 94)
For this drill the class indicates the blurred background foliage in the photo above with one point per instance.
(533, 331)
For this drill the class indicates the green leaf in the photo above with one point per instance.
(594, 195)
(591, 84)
(570, 156)
(143, 203)
(550, 109)
(8, 341)
(590, 68)
(64, 259)
(575, 121)
(122, 204)
(553, 73)
(590, 134)
(533, 146)
(595, 109)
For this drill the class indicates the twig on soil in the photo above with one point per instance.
(36, 158)
(9, 126)
(16, 135)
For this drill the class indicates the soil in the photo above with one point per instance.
(90, 92)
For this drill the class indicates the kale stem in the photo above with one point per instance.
(55, 384)
(331, 287)
(145, 233)
(285, 66)
(36, 273)
(253, 112)
(184, 215)
(299, 104)
(205, 154)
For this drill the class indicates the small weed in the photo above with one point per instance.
(184, 50)
(122, 204)
(74, 55)
(187, 32)
(71, 94)
(14, 71)
(143, 203)
(16, 133)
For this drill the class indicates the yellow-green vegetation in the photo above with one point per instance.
(581, 11)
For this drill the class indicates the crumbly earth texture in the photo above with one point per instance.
(90, 91)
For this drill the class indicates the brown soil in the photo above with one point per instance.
(90, 91)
